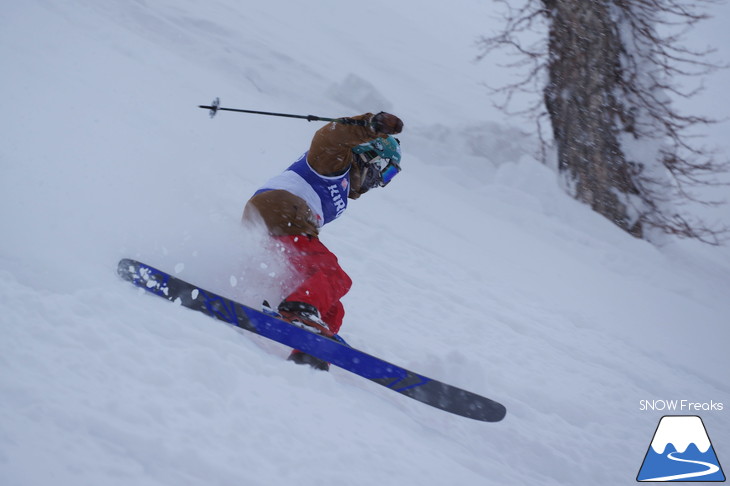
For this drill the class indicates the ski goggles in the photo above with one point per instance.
(387, 168)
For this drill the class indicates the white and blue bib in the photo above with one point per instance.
(325, 196)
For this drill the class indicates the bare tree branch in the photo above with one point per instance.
(606, 70)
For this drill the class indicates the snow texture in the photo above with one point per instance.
(472, 266)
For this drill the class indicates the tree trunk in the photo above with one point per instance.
(583, 99)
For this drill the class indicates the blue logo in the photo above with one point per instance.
(681, 451)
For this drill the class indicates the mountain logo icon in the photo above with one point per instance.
(681, 451)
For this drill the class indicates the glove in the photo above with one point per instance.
(386, 123)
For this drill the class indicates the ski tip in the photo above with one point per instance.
(126, 268)
(499, 412)
(484, 410)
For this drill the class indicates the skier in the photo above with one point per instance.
(345, 160)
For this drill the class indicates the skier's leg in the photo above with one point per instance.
(324, 284)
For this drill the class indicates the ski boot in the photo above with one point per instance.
(302, 358)
(305, 316)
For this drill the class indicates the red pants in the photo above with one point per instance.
(325, 283)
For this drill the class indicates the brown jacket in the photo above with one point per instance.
(330, 153)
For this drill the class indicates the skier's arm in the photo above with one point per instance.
(331, 149)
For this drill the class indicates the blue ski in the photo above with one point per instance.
(401, 380)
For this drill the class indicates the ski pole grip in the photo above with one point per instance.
(352, 121)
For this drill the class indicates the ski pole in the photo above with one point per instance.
(215, 108)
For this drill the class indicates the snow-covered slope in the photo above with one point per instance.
(472, 267)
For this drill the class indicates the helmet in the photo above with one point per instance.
(380, 161)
